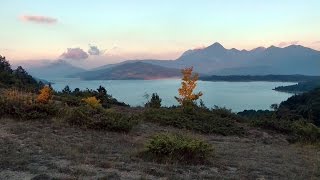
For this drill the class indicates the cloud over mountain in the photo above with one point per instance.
(95, 51)
(74, 54)
(284, 44)
(39, 19)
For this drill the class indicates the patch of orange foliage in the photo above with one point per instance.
(188, 84)
(45, 95)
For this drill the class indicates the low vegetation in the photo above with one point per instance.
(77, 110)
(23, 106)
(178, 148)
(154, 102)
(299, 116)
(97, 118)
(204, 121)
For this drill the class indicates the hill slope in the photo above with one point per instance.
(135, 70)
(56, 69)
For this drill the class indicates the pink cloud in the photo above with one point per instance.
(285, 44)
(39, 19)
(74, 54)
(316, 42)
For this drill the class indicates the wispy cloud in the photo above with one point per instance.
(95, 51)
(284, 44)
(38, 19)
(316, 42)
(74, 54)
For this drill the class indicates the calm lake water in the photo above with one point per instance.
(237, 96)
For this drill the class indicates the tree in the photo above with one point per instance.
(45, 95)
(5, 65)
(66, 90)
(155, 101)
(92, 101)
(188, 84)
(275, 107)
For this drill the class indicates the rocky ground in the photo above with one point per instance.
(39, 150)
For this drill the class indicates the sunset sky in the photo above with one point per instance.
(159, 29)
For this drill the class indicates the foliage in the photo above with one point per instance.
(188, 84)
(45, 95)
(178, 148)
(92, 101)
(306, 106)
(204, 121)
(299, 130)
(304, 86)
(66, 90)
(100, 119)
(18, 78)
(16, 104)
(154, 102)
(306, 132)
(73, 98)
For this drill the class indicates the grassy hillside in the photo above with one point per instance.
(87, 134)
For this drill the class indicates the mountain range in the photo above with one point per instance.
(212, 60)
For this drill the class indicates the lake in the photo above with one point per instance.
(237, 96)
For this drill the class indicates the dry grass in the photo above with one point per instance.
(37, 149)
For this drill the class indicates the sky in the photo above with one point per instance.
(99, 32)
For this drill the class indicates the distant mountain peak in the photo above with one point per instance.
(216, 45)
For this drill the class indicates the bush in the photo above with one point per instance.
(299, 130)
(100, 119)
(24, 108)
(155, 101)
(199, 120)
(93, 102)
(306, 132)
(45, 95)
(178, 148)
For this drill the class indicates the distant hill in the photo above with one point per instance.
(272, 78)
(59, 68)
(134, 70)
(306, 105)
(300, 87)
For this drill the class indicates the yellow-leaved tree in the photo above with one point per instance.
(45, 95)
(92, 101)
(188, 84)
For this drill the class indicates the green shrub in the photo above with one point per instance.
(299, 130)
(178, 148)
(100, 119)
(154, 102)
(200, 121)
(279, 125)
(306, 132)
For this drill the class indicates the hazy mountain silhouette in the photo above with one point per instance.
(212, 60)
(59, 68)
(216, 59)
(133, 70)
